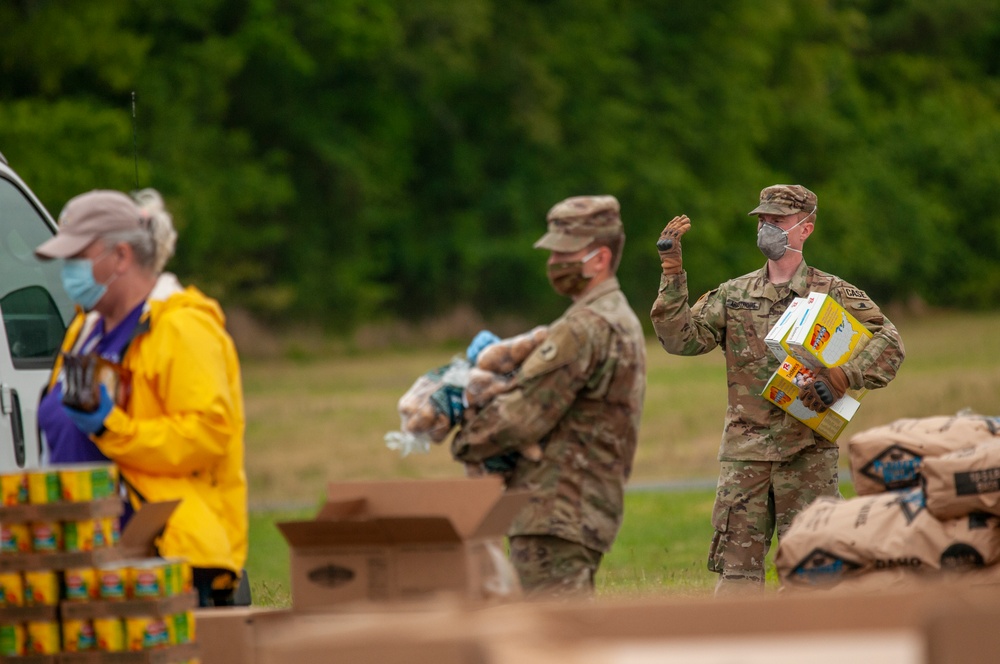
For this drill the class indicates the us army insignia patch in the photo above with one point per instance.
(556, 351)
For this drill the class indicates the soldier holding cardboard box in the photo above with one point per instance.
(772, 465)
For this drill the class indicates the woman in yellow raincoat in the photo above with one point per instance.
(175, 426)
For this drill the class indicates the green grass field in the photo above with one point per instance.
(318, 419)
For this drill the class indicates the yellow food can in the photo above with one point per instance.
(104, 480)
(145, 633)
(113, 580)
(148, 578)
(110, 531)
(81, 584)
(43, 487)
(101, 540)
(12, 640)
(174, 576)
(14, 488)
(46, 536)
(75, 484)
(183, 624)
(78, 636)
(187, 574)
(80, 535)
(171, 625)
(15, 538)
(42, 637)
(110, 634)
(41, 588)
(11, 589)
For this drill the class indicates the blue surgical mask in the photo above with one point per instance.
(79, 282)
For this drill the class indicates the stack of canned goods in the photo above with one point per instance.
(36, 588)
(153, 625)
(66, 484)
(131, 633)
(70, 483)
(143, 579)
(78, 603)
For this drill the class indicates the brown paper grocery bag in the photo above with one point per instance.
(832, 540)
(887, 457)
(962, 482)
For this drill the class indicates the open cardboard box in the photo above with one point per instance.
(404, 540)
(138, 539)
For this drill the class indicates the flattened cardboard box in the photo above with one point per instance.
(408, 539)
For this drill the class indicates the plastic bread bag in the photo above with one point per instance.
(430, 408)
(499, 576)
(483, 385)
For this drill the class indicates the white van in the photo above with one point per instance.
(35, 312)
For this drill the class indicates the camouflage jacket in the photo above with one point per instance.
(579, 395)
(737, 316)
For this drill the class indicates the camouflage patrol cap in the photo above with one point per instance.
(785, 199)
(576, 222)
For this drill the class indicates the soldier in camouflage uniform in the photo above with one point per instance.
(579, 396)
(772, 465)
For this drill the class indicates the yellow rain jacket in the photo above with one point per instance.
(180, 433)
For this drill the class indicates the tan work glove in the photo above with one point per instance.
(825, 390)
(669, 244)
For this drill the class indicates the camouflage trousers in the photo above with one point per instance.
(753, 499)
(553, 567)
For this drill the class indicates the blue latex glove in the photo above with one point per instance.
(92, 423)
(482, 340)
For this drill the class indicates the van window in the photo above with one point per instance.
(34, 327)
(34, 307)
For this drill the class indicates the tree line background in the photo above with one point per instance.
(349, 161)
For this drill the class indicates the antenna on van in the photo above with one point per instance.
(135, 150)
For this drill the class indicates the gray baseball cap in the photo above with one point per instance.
(87, 217)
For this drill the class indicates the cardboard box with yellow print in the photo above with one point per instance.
(783, 391)
(824, 333)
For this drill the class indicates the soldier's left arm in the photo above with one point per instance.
(879, 361)
(546, 385)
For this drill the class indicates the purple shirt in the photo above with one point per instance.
(66, 443)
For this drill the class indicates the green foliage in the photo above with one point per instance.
(349, 161)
